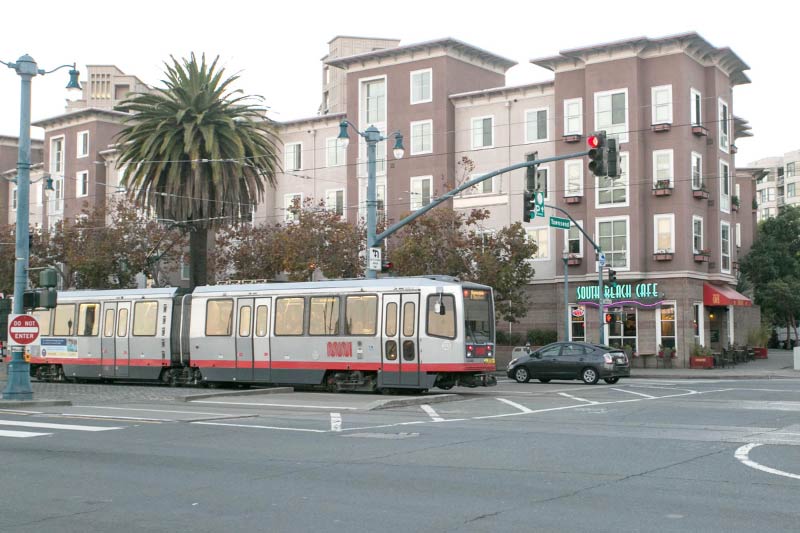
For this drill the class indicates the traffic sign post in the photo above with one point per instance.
(23, 330)
(602, 259)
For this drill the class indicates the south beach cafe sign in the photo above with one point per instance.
(639, 291)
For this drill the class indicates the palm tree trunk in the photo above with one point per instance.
(198, 257)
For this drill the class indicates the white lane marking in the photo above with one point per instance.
(155, 410)
(414, 423)
(742, 454)
(20, 434)
(260, 427)
(336, 422)
(571, 397)
(636, 393)
(116, 417)
(10, 411)
(515, 404)
(44, 425)
(432, 413)
(299, 406)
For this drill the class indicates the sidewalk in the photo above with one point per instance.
(779, 365)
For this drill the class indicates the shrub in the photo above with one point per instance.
(508, 339)
(540, 337)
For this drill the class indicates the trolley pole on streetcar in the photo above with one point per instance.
(19, 379)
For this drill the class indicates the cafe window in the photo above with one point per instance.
(88, 320)
(577, 323)
(289, 316)
(324, 316)
(665, 325)
(361, 314)
(697, 323)
(145, 317)
(219, 318)
(622, 329)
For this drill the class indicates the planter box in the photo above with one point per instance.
(573, 199)
(761, 353)
(735, 207)
(661, 127)
(700, 131)
(574, 261)
(702, 258)
(571, 138)
(701, 362)
(700, 194)
(663, 256)
(662, 192)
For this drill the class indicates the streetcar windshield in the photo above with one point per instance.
(478, 316)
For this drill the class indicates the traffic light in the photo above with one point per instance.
(597, 153)
(612, 158)
(46, 298)
(386, 266)
(528, 205)
(612, 277)
(609, 318)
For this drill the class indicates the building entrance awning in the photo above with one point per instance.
(722, 295)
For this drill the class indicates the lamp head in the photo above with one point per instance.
(74, 85)
(343, 137)
(398, 150)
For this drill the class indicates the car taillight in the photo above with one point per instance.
(607, 358)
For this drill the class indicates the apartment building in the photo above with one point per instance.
(9, 155)
(780, 184)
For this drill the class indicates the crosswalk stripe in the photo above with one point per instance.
(44, 425)
(21, 434)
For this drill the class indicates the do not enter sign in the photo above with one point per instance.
(23, 329)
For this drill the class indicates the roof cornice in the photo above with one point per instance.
(80, 114)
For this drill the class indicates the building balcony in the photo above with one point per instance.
(573, 199)
(661, 127)
(702, 256)
(699, 131)
(663, 255)
(700, 194)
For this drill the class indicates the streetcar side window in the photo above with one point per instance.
(108, 324)
(289, 313)
(145, 319)
(324, 318)
(442, 325)
(409, 317)
(122, 323)
(88, 320)
(262, 319)
(245, 316)
(64, 321)
(219, 318)
(362, 314)
(43, 317)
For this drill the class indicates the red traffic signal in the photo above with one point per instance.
(594, 141)
(386, 266)
(597, 153)
(609, 318)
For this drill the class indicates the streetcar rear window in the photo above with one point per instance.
(324, 318)
(219, 318)
(64, 321)
(361, 314)
(289, 314)
(88, 320)
(442, 325)
(145, 319)
(108, 324)
(478, 316)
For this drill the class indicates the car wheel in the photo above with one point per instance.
(611, 381)
(522, 375)
(589, 375)
(544, 380)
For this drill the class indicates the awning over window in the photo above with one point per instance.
(721, 295)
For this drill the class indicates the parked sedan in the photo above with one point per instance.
(571, 360)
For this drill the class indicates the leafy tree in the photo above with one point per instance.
(450, 243)
(773, 267)
(196, 152)
(248, 252)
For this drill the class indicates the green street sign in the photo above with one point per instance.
(562, 223)
(538, 199)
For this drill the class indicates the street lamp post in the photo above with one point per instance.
(19, 380)
(565, 258)
(372, 136)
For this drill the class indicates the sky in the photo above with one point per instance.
(276, 47)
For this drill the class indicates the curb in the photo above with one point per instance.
(5, 404)
(256, 392)
(714, 376)
(422, 400)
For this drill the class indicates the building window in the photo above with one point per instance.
(422, 137)
(697, 323)
(14, 199)
(83, 144)
(696, 116)
(185, 270)
(334, 201)
(697, 234)
(664, 233)
(484, 187)
(335, 152)
(613, 192)
(482, 132)
(577, 319)
(790, 169)
(611, 113)
(536, 124)
(613, 234)
(540, 236)
(374, 103)
(662, 104)
(421, 86)
(662, 168)
(725, 187)
(725, 247)
(82, 184)
(292, 204)
(573, 116)
(57, 197)
(697, 171)
(575, 240)
(294, 156)
(791, 190)
(420, 192)
(536, 178)
(622, 330)
(665, 326)
(57, 155)
(723, 126)
(573, 177)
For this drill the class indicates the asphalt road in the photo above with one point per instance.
(691, 455)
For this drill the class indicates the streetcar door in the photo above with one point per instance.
(108, 343)
(244, 339)
(390, 340)
(122, 340)
(409, 340)
(261, 351)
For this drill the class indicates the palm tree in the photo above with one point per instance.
(197, 153)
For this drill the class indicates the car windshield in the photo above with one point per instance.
(478, 316)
